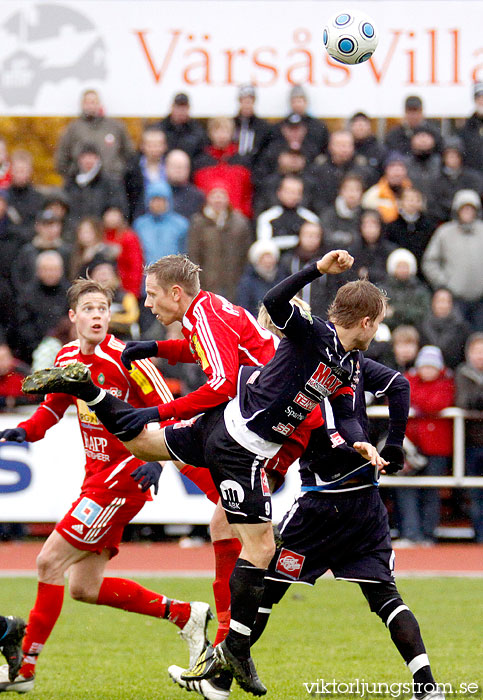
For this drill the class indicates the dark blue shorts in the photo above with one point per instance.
(239, 475)
(346, 533)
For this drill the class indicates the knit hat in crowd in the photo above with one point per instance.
(463, 197)
(259, 248)
(430, 356)
(247, 90)
(401, 255)
(477, 89)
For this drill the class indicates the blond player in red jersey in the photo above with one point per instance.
(90, 532)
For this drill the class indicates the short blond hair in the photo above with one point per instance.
(176, 269)
(265, 320)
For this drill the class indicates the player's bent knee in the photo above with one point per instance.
(383, 598)
(83, 593)
(48, 567)
(149, 446)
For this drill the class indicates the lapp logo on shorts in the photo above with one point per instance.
(233, 493)
(290, 563)
(264, 480)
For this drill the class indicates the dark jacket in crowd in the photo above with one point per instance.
(469, 395)
(341, 226)
(409, 301)
(449, 334)
(266, 192)
(92, 199)
(23, 267)
(371, 259)
(423, 170)
(317, 133)
(321, 291)
(399, 138)
(187, 199)
(329, 175)
(189, 137)
(253, 287)
(444, 187)
(252, 134)
(373, 152)
(24, 203)
(411, 234)
(472, 135)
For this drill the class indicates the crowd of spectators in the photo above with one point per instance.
(252, 201)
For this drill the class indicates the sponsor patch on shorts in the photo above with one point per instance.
(290, 563)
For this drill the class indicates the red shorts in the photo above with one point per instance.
(97, 519)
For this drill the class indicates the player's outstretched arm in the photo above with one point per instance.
(173, 350)
(13, 435)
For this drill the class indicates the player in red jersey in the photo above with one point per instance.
(89, 534)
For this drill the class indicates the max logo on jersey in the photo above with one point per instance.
(199, 352)
(290, 563)
(323, 380)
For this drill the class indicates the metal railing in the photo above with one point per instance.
(458, 478)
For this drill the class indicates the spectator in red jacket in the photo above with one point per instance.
(130, 260)
(5, 170)
(12, 374)
(220, 161)
(432, 390)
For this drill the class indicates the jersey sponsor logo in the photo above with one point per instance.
(290, 563)
(323, 380)
(199, 352)
(264, 481)
(284, 429)
(185, 423)
(95, 447)
(305, 402)
(78, 528)
(293, 414)
(86, 511)
(86, 415)
(336, 439)
(232, 492)
(141, 380)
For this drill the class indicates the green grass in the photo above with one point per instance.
(326, 632)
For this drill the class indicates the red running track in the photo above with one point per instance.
(18, 558)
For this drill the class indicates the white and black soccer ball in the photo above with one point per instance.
(350, 37)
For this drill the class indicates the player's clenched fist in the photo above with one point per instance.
(335, 262)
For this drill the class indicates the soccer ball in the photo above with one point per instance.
(350, 37)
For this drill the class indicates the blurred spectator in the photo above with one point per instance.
(261, 274)
(453, 176)
(340, 221)
(187, 198)
(399, 138)
(220, 161)
(161, 231)
(130, 258)
(445, 327)
(48, 229)
(409, 298)
(42, 303)
(424, 162)
(124, 305)
(469, 395)
(46, 351)
(145, 167)
(12, 373)
(90, 249)
(282, 222)
(331, 168)
(454, 254)
(365, 143)
(371, 249)
(219, 239)
(472, 132)
(288, 163)
(405, 348)
(311, 247)
(317, 132)
(5, 166)
(24, 201)
(413, 228)
(93, 127)
(291, 134)
(181, 130)
(10, 245)
(57, 203)
(90, 191)
(252, 134)
(432, 390)
(386, 193)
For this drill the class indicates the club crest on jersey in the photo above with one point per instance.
(101, 379)
(290, 563)
(323, 381)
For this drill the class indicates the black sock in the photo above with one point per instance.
(109, 409)
(3, 627)
(246, 586)
(272, 594)
(406, 635)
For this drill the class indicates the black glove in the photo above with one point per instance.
(13, 435)
(135, 419)
(138, 350)
(395, 456)
(147, 475)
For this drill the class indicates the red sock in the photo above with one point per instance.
(226, 555)
(131, 596)
(42, 619)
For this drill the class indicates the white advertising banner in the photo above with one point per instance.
(139, 54)
(39, 481)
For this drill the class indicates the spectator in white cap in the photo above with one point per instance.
(472, 132)
(454, 255)
(409, 298)
(261, 274)
(252, 134)
(432, 390)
